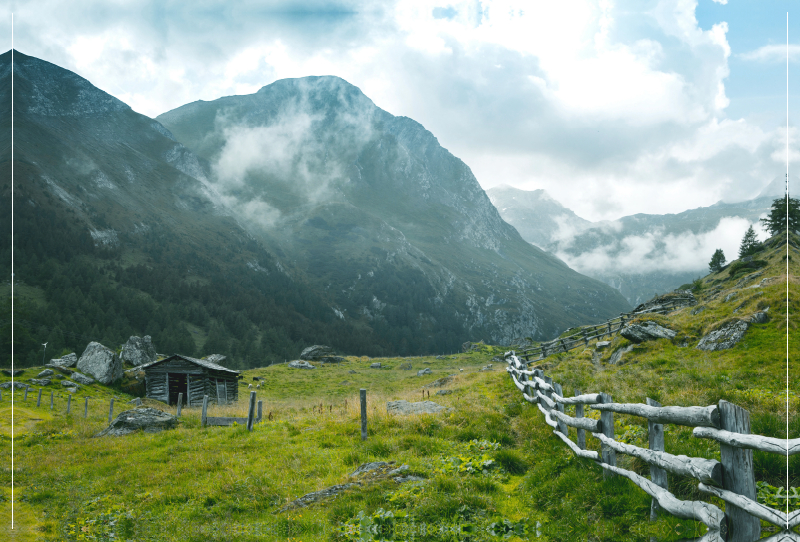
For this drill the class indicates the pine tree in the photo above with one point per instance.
(776, 221)
(717, 261)
(750, 244)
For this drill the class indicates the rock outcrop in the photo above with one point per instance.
(82, 379)
(17, 385)
(148, 420)
(70, 360)
(138, 351)
(45, 373)
(300, 364)
(40, 381)
(646, 331)
(730, 333)
(100, 362)
(425, 371)
(321, 353)
(404, 408)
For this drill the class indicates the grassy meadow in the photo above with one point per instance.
(491, 467)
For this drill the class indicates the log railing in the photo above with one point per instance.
(731, 479)
(609, 327)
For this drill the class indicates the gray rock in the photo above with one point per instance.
(369, 467)
(406, 367)
(101, 363)
(697, 310)
(70, 360)
(404, 408)
(17, 385)
(46, 372)
(137, 401)
(444, 392)
(63, 370)
(216, 358)
(485, 368)
(40, 382)
(17, 372)
(138, 351)
(730, 296)
(81, 379)
(438, 383)
(352, 372)
(69, 384)
(299, 364)
(425, 371)
(314, 353)
(376, 365)
(759, 317)
(725, 337)
(316, 496)
(410, 478)
(647, 331)
(616, 357)
(601, 345)
(148, 420)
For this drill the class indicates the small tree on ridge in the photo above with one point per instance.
(750, 244)
(717, 261)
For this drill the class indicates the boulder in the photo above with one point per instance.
(9, 372)
(726, 336)
(438, 383)
(148, 420)
(314, 353)
(299, 364)
(616, 357)
(62, 370)
(646, 331)
(376, 365)
(138, 351)
(601, 344)
(69, 384)
(40, 382)
(46, 372)
(100, 362)
(137, 401)
(316, 496)
(82, 379)
(70, 360)
(404, 408)
(444, 392)
(425, 371)
(216, 359)
(17, 385)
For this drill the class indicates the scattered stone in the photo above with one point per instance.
(697, 310)
(647, 331)
(444, 392)
(63, 370)
(726, 336)
(352, 372)
(40, 382)
(466, 347)
(216, 359)
(70, 360)
(485, 368)
(9, 372)
(445, 380)
(46, 372)
(69, 384)
(299, 364)
(370, 467)
(428, 362)
(137, 401)
(403, 407)
(101, 363)
(376, 365)
(148, 420)
(60, 377)
(425, 371)
(616, 357)
(316, 496)
(748, 278)
(406, 367)
(680, 299)
(410, 478)
(17, 385)
(440, 357)
(138, 351)
(81, 379)
(601, 345)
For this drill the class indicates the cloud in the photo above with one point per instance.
(668, 253)
(772, 53)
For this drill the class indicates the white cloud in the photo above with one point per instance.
(773, 53)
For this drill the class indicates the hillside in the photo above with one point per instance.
(199, 484)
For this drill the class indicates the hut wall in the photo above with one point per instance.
(197, 387)
(156, 385)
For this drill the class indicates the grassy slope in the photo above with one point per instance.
(225, 483)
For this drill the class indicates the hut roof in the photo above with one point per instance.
(200, 362)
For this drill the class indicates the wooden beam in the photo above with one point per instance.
(692, 416)
(753, 442)
(752, 507)
(581, 423)
(588, 454)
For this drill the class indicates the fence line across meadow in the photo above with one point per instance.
(732, 479)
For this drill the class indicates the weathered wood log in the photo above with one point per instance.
(86, 408)
(224, 421)
(587, 424)
(69, 402)
(39, 398)
(258, 419)
(562, 426)
(550, 421)
(180, 403)
(204, 414)
(542, 384)
(110, 408)
(251, 411)
(530, 399)
(708, 514)
(607, 419)
(588, 454)
(693, 416)
(587, 399)
(520, 386)
(655, 437)
(543, 399)
(579, 416)
(363, 394)
(783, 536)
(738, 475)
(705, 470)
(752, 442)
(754, 508)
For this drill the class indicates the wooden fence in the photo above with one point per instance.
(609, 327)
(731, 479)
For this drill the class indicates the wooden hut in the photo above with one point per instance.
(168, 377)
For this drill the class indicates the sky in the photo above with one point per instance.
(613, 107)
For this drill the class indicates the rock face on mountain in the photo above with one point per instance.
(138, 351)
(100, 362)
(391, 224)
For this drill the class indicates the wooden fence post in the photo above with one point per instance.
(25, 398)
(180, 402)
(562, 427)
(258, 420)
(204, 416)
(579, 414)
(111, 411)
(69, 402)
(608, 455)
(39, 398)
(363, 393)
(585, 337)
(655, 432)
(251, 412)
(86, 408)
(51, 400)
(737, 474)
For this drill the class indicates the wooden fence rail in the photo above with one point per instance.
(732, 479)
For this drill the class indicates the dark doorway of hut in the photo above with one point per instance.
(177, 384)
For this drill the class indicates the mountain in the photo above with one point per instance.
(396, 228)
(639, 255)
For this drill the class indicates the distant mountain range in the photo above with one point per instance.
(257, 225)
(639, 255)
